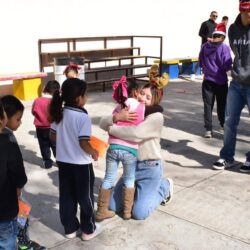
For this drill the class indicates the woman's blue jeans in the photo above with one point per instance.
(238, 96)
(151, 189)
(8, 234)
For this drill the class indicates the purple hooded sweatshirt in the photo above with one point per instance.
(215, 60)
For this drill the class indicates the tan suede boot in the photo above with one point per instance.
(103, 211)
(128, 201)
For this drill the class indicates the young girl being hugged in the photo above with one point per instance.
(120, 151)
(40, 112)
(71, 128)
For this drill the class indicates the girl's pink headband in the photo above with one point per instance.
(124, 86)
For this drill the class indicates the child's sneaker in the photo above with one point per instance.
(222, 164)
(192, 77)
(87, 237)
(171, 193)
(71, 236)
(221, 130)
(208, 134)
(245, 168)
(31, 245)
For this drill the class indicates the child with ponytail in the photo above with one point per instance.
(71, 129)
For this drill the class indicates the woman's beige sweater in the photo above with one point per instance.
(147, 134)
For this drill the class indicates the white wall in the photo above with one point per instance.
(23, 22)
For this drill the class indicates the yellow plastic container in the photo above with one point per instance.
(27, 89)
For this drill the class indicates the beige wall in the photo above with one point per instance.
(23, 22)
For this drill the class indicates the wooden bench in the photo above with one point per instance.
(119, 59)
(112, 59)
(103, 81)
(115, 68)
(109, 74)
(47, 58)
(26, 86)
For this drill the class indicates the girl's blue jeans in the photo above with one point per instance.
(8, 234)
(113, 158)
(151, 190)
(238, 97)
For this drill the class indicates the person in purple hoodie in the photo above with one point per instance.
(215, 60)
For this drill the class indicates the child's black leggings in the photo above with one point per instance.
(76, 186)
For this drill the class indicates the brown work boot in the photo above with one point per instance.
(128, 201)
(103, 211)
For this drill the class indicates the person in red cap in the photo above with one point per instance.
(239, 90)
(206, 30)
(215, 60)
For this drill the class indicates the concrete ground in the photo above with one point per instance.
(210, 209)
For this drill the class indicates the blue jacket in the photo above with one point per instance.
(215, 60)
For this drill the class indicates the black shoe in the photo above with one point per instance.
(245, 168)
(222, 164)
(47, 164)
(31, 245)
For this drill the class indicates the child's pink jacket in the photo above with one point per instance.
(139, 108)
(40, 111)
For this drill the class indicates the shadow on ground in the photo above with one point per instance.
(45, 206)
(30, 156)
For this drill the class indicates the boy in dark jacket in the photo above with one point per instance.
(14, 110)
(215, 60)
(12, 180)
(239, 90)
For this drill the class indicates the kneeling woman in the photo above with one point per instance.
(151, 187)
